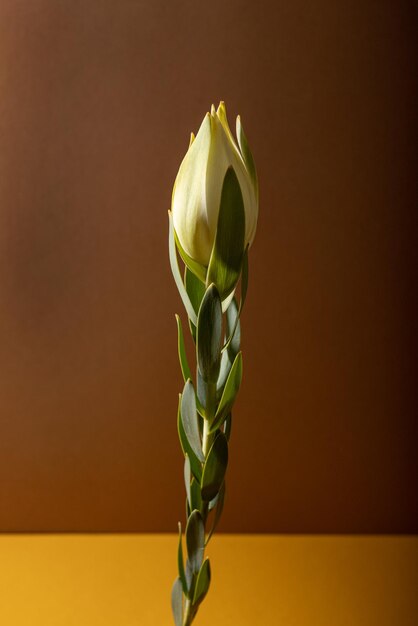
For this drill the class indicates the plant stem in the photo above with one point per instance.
(188, 615)
(207, 438)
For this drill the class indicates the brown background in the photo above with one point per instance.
(97, 102)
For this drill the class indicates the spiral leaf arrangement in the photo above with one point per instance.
(206, 402)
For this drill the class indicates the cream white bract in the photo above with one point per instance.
(197, 189)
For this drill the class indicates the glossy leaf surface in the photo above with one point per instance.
(215, 468)
(184, 365)
(228, 249)
(195, 540)
(176, 272)
(177, 602)
(195, 464)
(189, 419)
(203, 582)
(230, 392)
(209, 335)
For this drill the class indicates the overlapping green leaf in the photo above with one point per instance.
(189, 577)
(195, 289)
(196, 498)
(195, 464)
(184, 365)
(187, 478)
(213, 502)
(226, 303)
(232, 346)
(233, 329)
(180, 563)
(195, 540)
(228, 249)
(203, 582)
(225, 368)
(228, 426)
(214, 468)
(176, 272)
(177, 602)
(218, 511)
(202, 389)
(198, 270)
(234, 312)
(190, 421)
(209, 335)
(229, 394)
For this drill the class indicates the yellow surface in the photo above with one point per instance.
(125, 580)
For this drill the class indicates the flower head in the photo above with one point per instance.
(198, 186)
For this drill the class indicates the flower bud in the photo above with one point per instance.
(198, 186)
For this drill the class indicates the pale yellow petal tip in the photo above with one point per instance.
(192, 138)
(206, 123)
(238, 126)
(221, 108)
(213, 110)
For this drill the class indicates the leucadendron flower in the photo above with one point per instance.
(212, 223)
(198, 186)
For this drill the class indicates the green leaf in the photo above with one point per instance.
(197, 269)
(187, 478)
(195, 464)
(177, 602)
(176, 272)
(229, 393)
(236, 313)
(196, 498)
(190, 421)
(192, 330)
(185, 369)
(195, 539)
(203, 582)
(195, 289)
(246, 153)
(233, 329)
(224, 370)
(214, 468)
(209, 335)
(228, 249)
(228, 426)
(227, 301)
(180, 563)
(218, 511)
(232, 345)
(213, 502)
(189, 577)
(202, 389)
